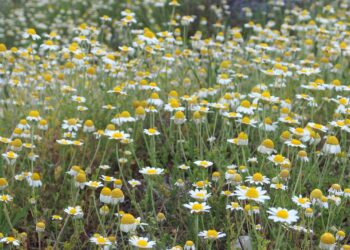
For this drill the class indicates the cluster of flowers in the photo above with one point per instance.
(242, 132)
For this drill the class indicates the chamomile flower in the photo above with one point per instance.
(151, 171)
(278, 186)
(107, 178)
(31, 33)
(179, 118)
(34, 180)
(75, 212)
(94, 184)
(117, 196)
(100, 241)
(203, 163)
(302, 202)
(234, 206)
(141, 242)
(72, 124)
(118, 135)
(266, 147)
(151, 131)
(106, 195)
(331, 146)
(295, 143)
(11, 241)
(283, 215)
(327, 241)
(335, 189)
(211, 234)
(278, 159)
(3, 183)
(128, 223)
(317, 126)
(256, 194)
(183, 167)
(199, 194)
(134, 183)
(258, 179)
(10, 157)
(245, 108)
(241, 140)
(197, 207)
(268, 125)
(6, 198)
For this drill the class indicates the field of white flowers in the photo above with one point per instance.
(174, 124)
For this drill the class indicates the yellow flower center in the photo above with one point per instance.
(252, 193)
(340, 123)
(125, 114)
(149, 34)
(128, 219)
(117, 193)
(200, 184)
(152, 131)
(89, 123)
(197, 207)
(268, 143)
(242, 136)
(3, 182)
(94, 184)
(204, 163)
(296, 142)
(332, 140)
(81, 177)
(279, 186)
(72, 121)
(278, 158)
(199, 195)
(10, 239)
(234, 204)
(189, 243)
(34, 113)
(318, 126)
(246, 120)
(154, 96)
(31, 31)
(4, 198)
(151, 171)
(299, 130)
(117, 135)
(106, 191)
(302, 200)
(343, 101)
(302, 153)
(73, 211)
(316, 193)
(268, 121)
(258, 177)
(40, 224)
(16, 143)
(245, 104)
(35, 177)
(334, 186)
(179, 115)
(212, 234)
(282, 214)
(227, 192)
(101, 240)
(266, 94)
(327, 238)
(43, 122)
(142, 243)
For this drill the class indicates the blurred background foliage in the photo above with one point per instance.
(64, 15)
